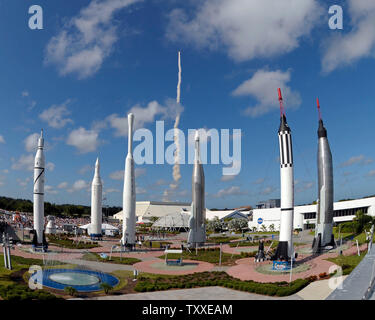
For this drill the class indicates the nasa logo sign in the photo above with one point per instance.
(260, 220)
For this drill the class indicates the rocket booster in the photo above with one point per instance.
(284, 250)
(96, 203)
(324, 219)
(128, 204)
(197, 232)
(39, 168)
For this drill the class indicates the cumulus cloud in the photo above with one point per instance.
(345, 49)
(24, 162)
(24, 182)
(56, 115)
(231, 191)
(83, 140)
(140, 190)
(268, 190)
(2, 140)
(361, 159)
(245, 29)
(31, 142)
(142, 116)
(63, 185)
(87, 39)
(79, 185)
(262, 86)
(50, 166)
(303, 186)
(51, 190)
(117, 175)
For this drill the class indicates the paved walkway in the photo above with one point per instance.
(246, 268)
(207, 293)
(320, 290)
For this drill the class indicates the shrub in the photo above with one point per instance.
(70, 291)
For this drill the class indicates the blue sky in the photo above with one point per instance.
(93, 62)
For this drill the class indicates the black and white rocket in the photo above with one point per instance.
(39, 169)
(324, 218)
(96, 203)
(284, 250)
(128, 204)
(197, 232)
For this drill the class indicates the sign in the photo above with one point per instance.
(260, 220)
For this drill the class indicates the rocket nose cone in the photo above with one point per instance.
(322, 131)
(196, 138)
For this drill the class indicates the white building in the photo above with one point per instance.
(305, 216)
(144, 210)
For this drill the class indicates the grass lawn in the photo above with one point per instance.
(155, 244)
(97, 257)
(348, 263)
(11, 282)
(223, 239)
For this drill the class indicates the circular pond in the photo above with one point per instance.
(81, 280)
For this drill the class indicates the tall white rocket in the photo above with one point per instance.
(96, 203)
(128, 204)
(39, 168)
(284, 250)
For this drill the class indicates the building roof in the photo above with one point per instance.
(174, 220)
(224, 214)
(148, 209)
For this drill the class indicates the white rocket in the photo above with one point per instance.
(284, 250)
(96, 203)
(128, 204)
(39, 168)
(197, 232)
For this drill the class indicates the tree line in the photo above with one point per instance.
(59, 210)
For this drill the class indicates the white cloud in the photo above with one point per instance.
(79, 185)
(87, 39)
(344, 49)
(227, 178)
(84, 140)
(117, 175)
(56, 115)
(138, 172)
(31, 142)
(24, 183)
(361, 159)
(63, 185)
(371, 173)
(140, 190)
(24, 162)
(85, 169)
(246, 29)
(50, 166)
(25, 93)
(263, 87)
(2, 140)
(111, 190)
(142, 116)
(231, 191)
(303, 186)
(267, 191)
(50, 190)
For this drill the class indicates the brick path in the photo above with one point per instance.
(245, 268)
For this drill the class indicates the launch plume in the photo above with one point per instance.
(176, 167)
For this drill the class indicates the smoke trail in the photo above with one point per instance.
(176, 167)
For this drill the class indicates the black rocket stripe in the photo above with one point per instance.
(282, 148)
(287, 148)
(286, 209)
(42, 194)
(41, 172)
(291, 149)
